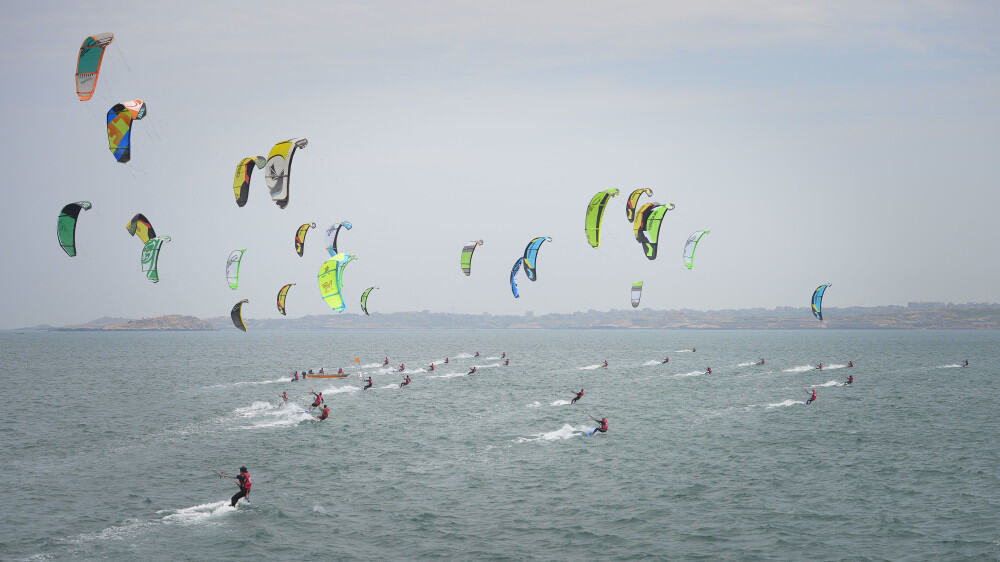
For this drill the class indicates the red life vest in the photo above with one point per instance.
(246, 484)
(604, 425)
(326, 413)
(580, 395)
(814, 395)
(340, 371)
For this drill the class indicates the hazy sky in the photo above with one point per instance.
(819, 141)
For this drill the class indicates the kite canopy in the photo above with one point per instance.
(531, 256)
(633, 200)
(649, 235)
(278, 169)
(364, 299)
(237, 315)
(467, 251)
(120, 118)
(139, 226)
(66, 225)
(331, 280)
(151, 257)
(595, 212)
(636, 293)
(241, 181)
(233, 267)
(88, 63)
(331, 236)
(817, 300)
(513, 276)
(282, 294)
(300, 237)
(691, 245)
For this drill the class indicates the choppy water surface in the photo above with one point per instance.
(107, 441)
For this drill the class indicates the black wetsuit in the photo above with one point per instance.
(579, 395)
(369, 385)
(603, 428)
(243, 493)
(405, 382)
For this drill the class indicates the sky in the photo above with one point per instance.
(846, 142)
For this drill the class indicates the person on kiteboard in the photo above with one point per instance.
(445, 360)
(506, 362)
(850, 363)
(665, 361)
(368, 384)
(819, 367)
(603, 428)
(324, 413)
(318, 400)
(605, 365)
(431, 368)
(476, 355)
(472, 371)
(579, 395)
(386, 362)
(708, 370)
(966, 364)
(296, 379)
(402, 367)
(811, 398)
(284, 396)
(850, 380)
(244, 482)
(503, 355)
(761, 362)
(405, 382)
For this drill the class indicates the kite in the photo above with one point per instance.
(278, 169)
(241, 181)
(636, 293)
(467, 251)
(331, 236)
(300, 237)
(595, 212)
(633, 200)
(817, 300)
(282, 294)
(331, 280)
(88, 64)
(120, 119)
(513, 276)
(139, 226)
(531, 255)
(649, 234)
(237, 315)
(233, 267)
(66, 225)
(691, 245)
(151, 256)
(364, 299)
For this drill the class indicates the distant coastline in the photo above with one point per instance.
(913, 316)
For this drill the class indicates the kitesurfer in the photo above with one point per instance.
(386, 362)
(811, 398)
(368, 384)
(472, 371)
(402, 367)
(850, 363)
(244, 482)
(603, 428)
(324, 413)
(318, 400)
(966, 364)
(284, 396)
(405, 382)
(476, 355)
(506, 362)
(693, 350)
(819, 367)
(850, 380)
(445, 360)
(605, 365)
(665, 361)
(431, 368)
(503, 355)
(708, 370)
(761, 362)
(579, 395)
(296, 379)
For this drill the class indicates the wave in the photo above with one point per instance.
(560, 403)
(265, 414)
(690, 374)
(785, 403)
(952, 366)
(446, 376)
(198, 513)
(535, 404)
(799, 369)
(590, 367)
(565, 432)
(652, 362)
(829, 383)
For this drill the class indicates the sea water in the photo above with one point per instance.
(110, 442)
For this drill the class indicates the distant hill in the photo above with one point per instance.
(168, 322)
(974, 316)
